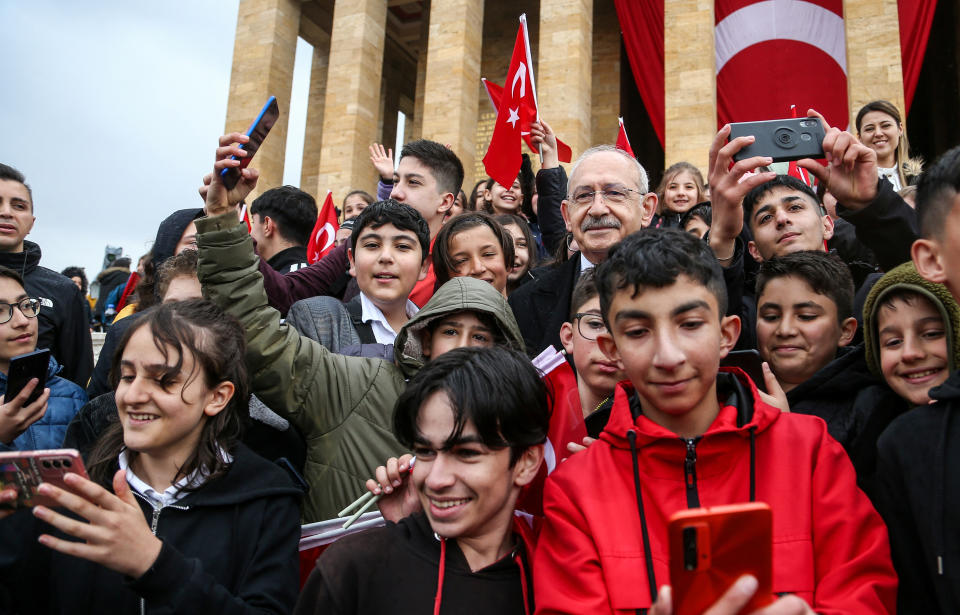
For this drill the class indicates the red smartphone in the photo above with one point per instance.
(710, 548)
(257, 132)
(25, 470)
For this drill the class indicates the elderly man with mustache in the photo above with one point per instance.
(607, 199)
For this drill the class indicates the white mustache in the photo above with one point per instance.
(607, 221)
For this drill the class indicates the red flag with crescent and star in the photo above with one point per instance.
(324, 231)
(518, 107)
(495, 92)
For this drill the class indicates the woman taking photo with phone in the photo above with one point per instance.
(178, 516)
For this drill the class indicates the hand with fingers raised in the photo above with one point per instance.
(217, 199)
(398, 496)
(851, 171)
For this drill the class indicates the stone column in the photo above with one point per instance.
(565, 69)
(452, 83)
(350, 115)
(606, 74)
(416, 129)
(690, 82)
(263, 56)
(874, 67)
(313, 134)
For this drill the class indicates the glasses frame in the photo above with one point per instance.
(579, 318)
(19, 306)
(603, 196)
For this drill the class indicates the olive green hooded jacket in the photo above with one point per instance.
(343, 406)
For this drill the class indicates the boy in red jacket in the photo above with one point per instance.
(680, 436)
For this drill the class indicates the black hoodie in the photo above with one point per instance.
(397, 569)
(62, 321)
(919, 498)
(229, 547)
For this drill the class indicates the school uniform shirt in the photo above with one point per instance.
(378, 322)
(829, 545)
(228, 547)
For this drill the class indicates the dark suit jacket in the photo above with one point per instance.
(542, 305)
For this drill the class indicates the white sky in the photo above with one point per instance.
(111, 109)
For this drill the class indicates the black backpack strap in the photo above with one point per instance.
(364, 329)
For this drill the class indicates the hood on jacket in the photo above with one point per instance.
(906, 279)
(734, 389)
(22, 262)
(117, 272)
(169, 233)
(456, 295)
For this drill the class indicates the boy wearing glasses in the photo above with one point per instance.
(42, 424)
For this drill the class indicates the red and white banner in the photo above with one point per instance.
(774, 53)
(495, 92)
(518, 107)
(324, 231)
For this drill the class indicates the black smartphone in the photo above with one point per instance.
(257, 132)
(750, 362)
(783, 140)
(22, 369)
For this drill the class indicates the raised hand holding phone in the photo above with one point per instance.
(16, 415)
(256, 134)
(218, 200)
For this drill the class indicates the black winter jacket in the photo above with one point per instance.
(230, 547)
(63, 325)
(396, 569)
(919, 499)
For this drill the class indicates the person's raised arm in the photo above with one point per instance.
(551, 187)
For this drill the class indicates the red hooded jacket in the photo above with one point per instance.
(829, 545)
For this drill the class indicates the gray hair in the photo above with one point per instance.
(643, 182)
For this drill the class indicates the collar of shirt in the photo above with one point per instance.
(584, 263)
(382, 330)
(172, 494)
(890, 174)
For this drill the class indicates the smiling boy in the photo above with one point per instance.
(681, 436)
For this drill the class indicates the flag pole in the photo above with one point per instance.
(533, 86)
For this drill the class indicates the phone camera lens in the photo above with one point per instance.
(56, 463)
(785, 137)
(67, 463)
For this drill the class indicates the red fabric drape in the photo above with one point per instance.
(641, 22)
(916, 17)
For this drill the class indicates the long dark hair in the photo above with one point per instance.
(443, 265)
(216, 341)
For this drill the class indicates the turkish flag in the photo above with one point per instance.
(494, 92)
(622, 141)
(324, 231)
(517, 109)
(245, 216)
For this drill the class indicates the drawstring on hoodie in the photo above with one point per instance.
(753, 462)
(523, 582)
(647, 555)
(443, 565)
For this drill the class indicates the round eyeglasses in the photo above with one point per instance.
(29, 307)
(589, 325)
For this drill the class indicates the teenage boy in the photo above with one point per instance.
(920, 450)
(280, 222)
(389, 255)
(341, 405)
(681, 436)
(476, 420)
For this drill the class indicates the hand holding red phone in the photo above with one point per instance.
(116, 534)
(15, 417)
(734, 599)
(218, 199)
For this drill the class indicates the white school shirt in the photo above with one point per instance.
(382, 330)
(172, 494)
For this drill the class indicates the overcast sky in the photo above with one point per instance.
(111, 109)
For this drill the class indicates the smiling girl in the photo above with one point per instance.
(680, 189)
(474, 245)
(178, 517)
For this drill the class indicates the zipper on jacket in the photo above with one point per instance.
(690, 472)
(154, 522)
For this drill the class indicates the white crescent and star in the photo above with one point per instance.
(331, 236)
(794, 20)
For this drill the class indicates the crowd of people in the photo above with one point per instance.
(754, 337)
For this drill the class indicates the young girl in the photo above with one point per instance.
(474, 245)
(43, 423)
(879, 128)
(524, 250)
(178, 516)
(680, 189)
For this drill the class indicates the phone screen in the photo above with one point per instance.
(257, 132)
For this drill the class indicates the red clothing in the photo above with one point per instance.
(829, 545)
(423, 290)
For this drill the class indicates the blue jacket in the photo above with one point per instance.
(66, 398)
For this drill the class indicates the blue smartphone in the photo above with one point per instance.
(257, 132)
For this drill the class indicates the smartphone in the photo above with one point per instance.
(22, 369)
(783, 140)
(25, 470)
(257, 132)
(750, 362)
(710, 548)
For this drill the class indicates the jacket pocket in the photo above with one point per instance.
(793, 568)
(626, 580)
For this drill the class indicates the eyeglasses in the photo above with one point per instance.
(589, 325)
(616, 194)
(29, 307)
